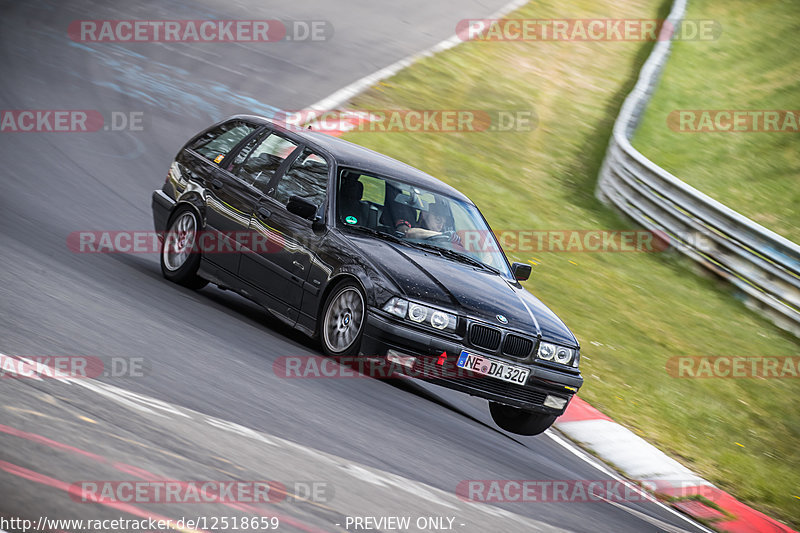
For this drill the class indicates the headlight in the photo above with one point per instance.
(397, 307)
(440, 320)
(421, 314)
(416, 312)
(563, 355)
(559, 354)
(547, 351)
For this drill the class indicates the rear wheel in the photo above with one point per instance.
(343, 320)
(520, 421)
(179, 257)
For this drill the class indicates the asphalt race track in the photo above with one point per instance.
(210, 406)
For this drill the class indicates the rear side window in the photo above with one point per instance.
(264, 160)
(217, 143)
(307, 178)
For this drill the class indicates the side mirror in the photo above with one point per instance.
(317, 223)
(521, 271)
(301, 207)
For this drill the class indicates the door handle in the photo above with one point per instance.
(263, 212)
(216, 184)
(299, 265)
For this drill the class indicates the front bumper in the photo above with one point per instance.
(383, 333)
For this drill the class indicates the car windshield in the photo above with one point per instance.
(417, 217)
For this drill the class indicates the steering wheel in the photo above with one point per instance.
(444, 236)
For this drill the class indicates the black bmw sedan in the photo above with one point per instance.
(375, 258)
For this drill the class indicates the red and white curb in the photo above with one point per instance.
(645, 463)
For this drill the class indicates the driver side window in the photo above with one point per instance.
(307, 178)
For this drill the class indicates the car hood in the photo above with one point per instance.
(428, 277)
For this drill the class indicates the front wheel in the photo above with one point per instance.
(179, 257)
(520, 421)
(343, 320)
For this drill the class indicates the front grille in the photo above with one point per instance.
(484, 337)
(450, 376)
(517, 346)
(495, 386)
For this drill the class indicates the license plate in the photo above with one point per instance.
(493, 368)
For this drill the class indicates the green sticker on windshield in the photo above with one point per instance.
(351, 220)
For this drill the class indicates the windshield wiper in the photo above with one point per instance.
(394, 238)
(471, 260)
(382, 234)
(458, 257)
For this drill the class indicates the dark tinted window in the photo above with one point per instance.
(243, 153)
(261, 165)
(361, 199)
(416, 214)
(307, 178)
(216, 143)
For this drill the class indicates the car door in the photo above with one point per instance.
(283, 270)
(228, 199)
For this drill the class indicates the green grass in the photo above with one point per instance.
(631, 311)
(753, 65)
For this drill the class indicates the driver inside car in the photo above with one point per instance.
(431, 224)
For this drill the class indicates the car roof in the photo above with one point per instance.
(348, 154)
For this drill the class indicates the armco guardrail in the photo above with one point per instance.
(762, 264)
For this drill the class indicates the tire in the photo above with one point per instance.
(520, 421)
(343, 319)
(178, 257)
